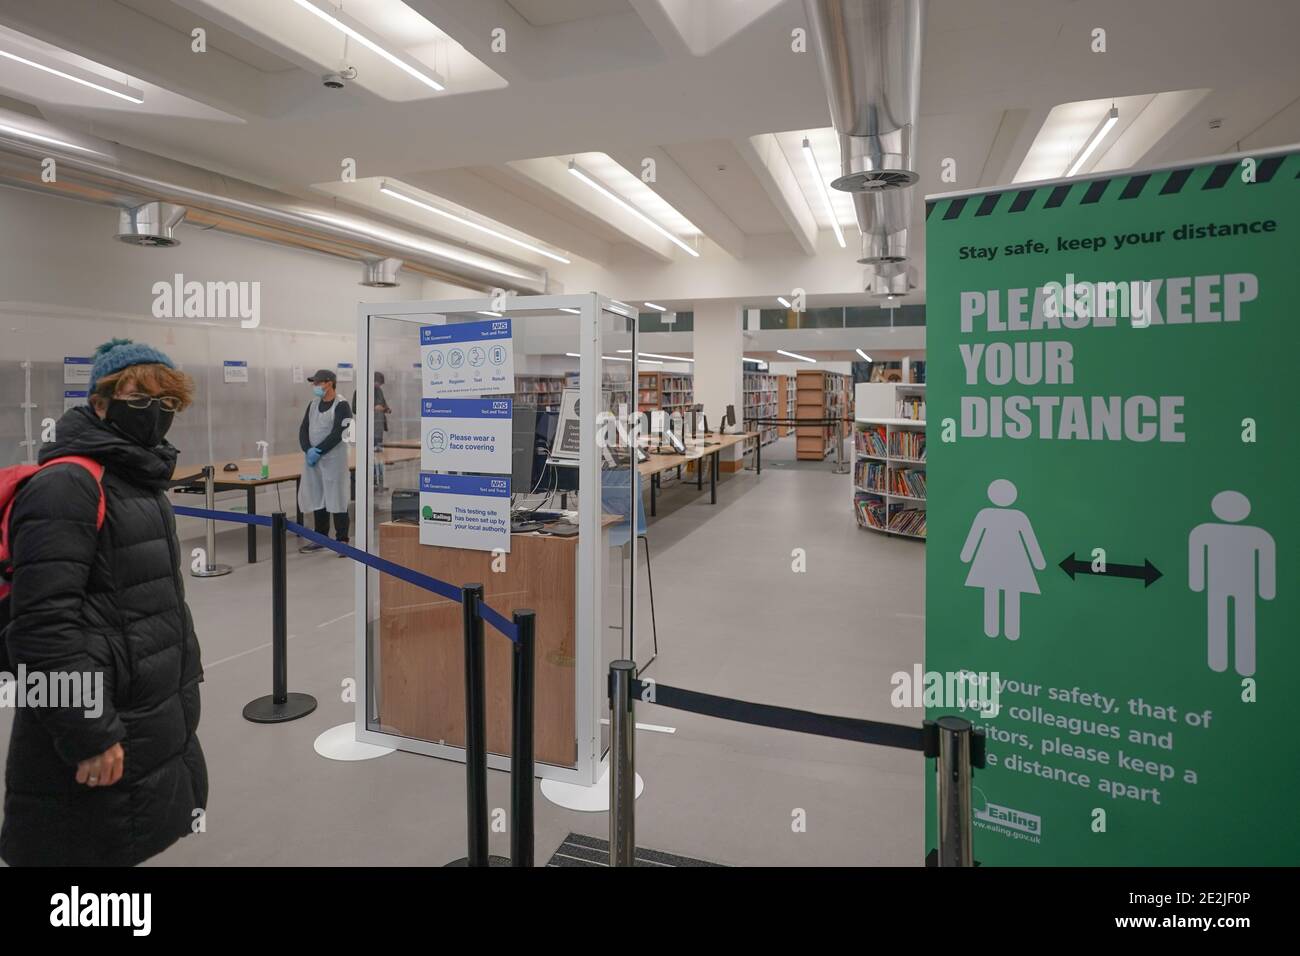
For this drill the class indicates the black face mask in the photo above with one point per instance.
(144, 426)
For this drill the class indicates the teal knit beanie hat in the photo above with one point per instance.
(117, 354)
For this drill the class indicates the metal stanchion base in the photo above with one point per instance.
(265, 710)
(340, 743)
(592, 799)
(492, 861)
(216, 571)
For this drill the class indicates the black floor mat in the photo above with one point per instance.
(580, 850)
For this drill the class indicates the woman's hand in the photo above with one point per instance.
(104, 770)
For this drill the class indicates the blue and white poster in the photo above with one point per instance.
(466, 434)
(72, 398)
(469, 358)
(76, 370)
(465, 511)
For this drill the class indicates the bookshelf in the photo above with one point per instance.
(889, 489)
(542, 392)
(820, 395)
(761, 401)
(667, 391)
(616, 388)
(786, 396)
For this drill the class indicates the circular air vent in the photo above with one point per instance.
(875, 179)
(154, 242)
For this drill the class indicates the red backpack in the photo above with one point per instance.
(11, 481)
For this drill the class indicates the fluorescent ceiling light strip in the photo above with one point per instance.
(796, 355)
(783, 300)
(495, 315)
(1097, 136)
(613, 358)
(388, 190)
(821, 188)
(574, 311)
(746, 358)
(101, 87)
(27, 134)
(657, 308)
(610, 194)
(345, 24)
(864, 355)
(671, 358)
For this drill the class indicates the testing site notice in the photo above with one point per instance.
(1112, 513)
(465, 511)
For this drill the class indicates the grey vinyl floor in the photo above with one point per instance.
(734, 618)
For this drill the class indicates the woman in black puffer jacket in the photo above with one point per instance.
(116, 788)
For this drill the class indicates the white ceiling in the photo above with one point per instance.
(694, 86)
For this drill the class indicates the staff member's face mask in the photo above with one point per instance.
(318, 391)
(144, 419)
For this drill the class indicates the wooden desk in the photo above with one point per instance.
(281, 468)
(421, 644)
(658, 464)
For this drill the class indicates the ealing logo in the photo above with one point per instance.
(208, 300)
(996, 816)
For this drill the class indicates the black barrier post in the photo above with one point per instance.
(280, 705)
(521, 742)
(622, 764)
(953, 769)
(476, 815)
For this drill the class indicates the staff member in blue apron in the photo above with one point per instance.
(325, 488)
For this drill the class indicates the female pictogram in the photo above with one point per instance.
(1006, 554)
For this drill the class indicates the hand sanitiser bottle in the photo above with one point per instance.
(266, 459)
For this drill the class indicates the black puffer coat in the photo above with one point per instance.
(112, 602)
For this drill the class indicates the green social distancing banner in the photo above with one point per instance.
(1114, 478)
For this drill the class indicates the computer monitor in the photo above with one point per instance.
(728, 419)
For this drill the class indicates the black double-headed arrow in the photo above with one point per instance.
(1145, 571)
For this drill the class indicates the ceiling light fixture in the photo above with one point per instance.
(495, 315)
(347, 25)
(670, 358)
(783, 300)
(614, 358)
(1094, 140)
(811, 159)
(864, 355)
(388, 190)
(608, 193)
(657, 308)
(91, 80)
(573, 311)
(752, 361)
(796, 355)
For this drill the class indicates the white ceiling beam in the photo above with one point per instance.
(767, 160)
(551, 174)
(662, 26)
(677, 189)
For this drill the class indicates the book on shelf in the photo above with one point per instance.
(871, 511)
(911, 407)
(907, 481)
(870, 440)
(870, 475)
(908, 521)
(907, 444)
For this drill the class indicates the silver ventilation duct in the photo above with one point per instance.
(380, 273)
(888, 281)
(150, 190)
(870, 56)
(150, 224)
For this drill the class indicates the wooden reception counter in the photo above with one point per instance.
(421, 643)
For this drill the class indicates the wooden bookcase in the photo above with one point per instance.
(820, 395)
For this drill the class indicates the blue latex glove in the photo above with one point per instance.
(313, 456)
